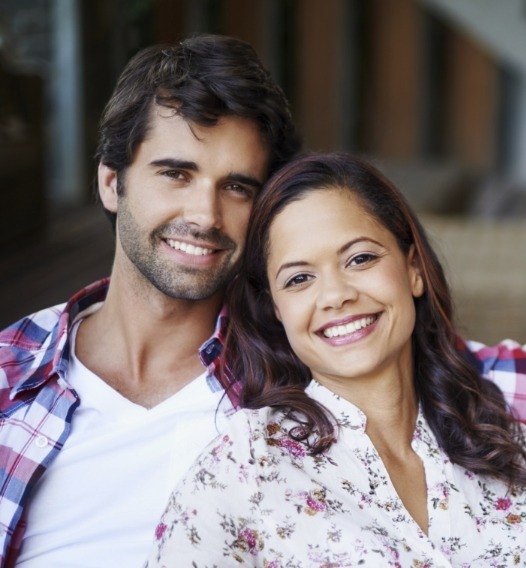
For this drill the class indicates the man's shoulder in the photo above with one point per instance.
(504, 364)
(33, 331)
(23, 347)
(508, 355)
(32, 347)
(30, 332)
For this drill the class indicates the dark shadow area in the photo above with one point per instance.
(76, 250)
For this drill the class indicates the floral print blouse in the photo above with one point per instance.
(255, 497)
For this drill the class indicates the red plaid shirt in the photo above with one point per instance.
(37, 404)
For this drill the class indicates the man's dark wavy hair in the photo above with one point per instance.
(467, 413)
(202, 79)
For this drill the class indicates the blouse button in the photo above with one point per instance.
(41, 442)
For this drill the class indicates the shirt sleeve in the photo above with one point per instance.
(505, 365)
(212, 519)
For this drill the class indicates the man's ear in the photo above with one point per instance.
(415, 272)
(107, 178)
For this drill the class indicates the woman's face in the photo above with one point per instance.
(342, 288)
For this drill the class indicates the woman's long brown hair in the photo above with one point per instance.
(467, 413)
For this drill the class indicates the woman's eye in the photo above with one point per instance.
(297, 280)
(361, 259)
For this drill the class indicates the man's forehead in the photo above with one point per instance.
(233, 140)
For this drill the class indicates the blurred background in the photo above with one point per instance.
(433, 91)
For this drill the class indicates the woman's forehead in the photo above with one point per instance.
(323, 217)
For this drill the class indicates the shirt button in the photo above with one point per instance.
(41, 442)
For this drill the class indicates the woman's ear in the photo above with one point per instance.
(415, 272)
(276, 310)
(272, 305)
(107, 181)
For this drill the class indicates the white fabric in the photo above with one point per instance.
(99, 501)
(256, 498)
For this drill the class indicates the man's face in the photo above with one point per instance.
(184, 203)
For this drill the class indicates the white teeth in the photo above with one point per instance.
(339, 330)
(189, 249)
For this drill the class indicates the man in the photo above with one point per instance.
(107, 400)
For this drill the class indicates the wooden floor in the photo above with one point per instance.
(486, 263)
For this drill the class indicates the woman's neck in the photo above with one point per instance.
(389, 403)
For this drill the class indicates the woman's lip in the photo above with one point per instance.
(346, 320)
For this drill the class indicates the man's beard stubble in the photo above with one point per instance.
(173, 280)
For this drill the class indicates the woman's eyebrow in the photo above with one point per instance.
(349, 244)
(341, 250)
(292, 264)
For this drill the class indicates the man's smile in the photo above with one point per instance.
(189, 248)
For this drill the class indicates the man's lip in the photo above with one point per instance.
(346, 320)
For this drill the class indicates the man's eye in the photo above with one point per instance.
(239, 189)
(297, 280)
(362, 258)
(174, 174)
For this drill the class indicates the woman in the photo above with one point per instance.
(373, 442)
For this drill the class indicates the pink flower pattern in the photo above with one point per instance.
(160, 530)
(250, 537)
(295, 449)
(503, 504)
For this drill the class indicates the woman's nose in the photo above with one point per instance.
(334, 292)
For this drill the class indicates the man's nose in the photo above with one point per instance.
(203, 207)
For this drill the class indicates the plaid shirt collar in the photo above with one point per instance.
(55, 346)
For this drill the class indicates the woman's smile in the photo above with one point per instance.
(349, 329)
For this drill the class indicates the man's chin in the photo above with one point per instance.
(192, 290)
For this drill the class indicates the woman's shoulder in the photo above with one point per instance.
(248, 453)
(249, 425)
(217, 495)
(244, 433)
(255, 442)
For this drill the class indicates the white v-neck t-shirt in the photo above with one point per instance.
(98, 503)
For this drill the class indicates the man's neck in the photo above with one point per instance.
(144, 344)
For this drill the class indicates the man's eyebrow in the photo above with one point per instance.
(175, 164)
